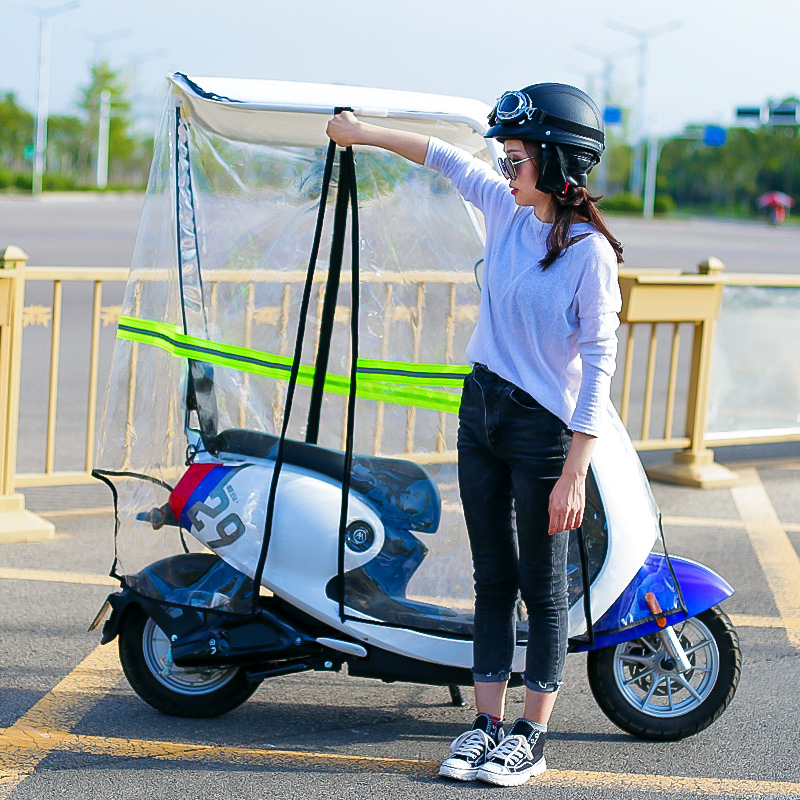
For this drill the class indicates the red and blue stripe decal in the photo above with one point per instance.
(195, 486)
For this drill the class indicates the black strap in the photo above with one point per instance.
(103, 475)
(349, 165)
(298, 350)
(587, 596)
(545, 118)
(671, 570)
(200, 396)
(329, 305)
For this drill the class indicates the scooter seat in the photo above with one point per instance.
(394, 483)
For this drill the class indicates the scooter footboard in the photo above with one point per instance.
(694, 588)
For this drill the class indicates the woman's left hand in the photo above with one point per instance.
(567, 502)
(568, 498)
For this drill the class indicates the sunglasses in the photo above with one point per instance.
(509, 167)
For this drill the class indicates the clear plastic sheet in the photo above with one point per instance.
(220, 259)
(755, 373)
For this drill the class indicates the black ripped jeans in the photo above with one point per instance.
(511, 452)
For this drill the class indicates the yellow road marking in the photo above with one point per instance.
(54, 576)
(29, 739)
(716, 522)
(292, 760)
(76, 512)
(753, 621)
(45, 728)
(775, 553)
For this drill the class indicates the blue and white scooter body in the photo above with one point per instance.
(221, 501)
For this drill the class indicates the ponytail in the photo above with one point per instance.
(577, 205)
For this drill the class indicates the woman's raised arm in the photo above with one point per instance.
(346, 129)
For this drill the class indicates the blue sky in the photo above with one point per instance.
(725, 54)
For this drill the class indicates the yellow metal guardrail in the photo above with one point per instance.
(671, 302)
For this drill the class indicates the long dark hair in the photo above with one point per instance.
(577, 205)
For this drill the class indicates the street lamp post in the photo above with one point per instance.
(104, 124)
(640, 132)
(99, 39)
(43, 94)
(104, 109)
(654, 145)
(608, 60)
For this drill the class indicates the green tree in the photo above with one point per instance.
(730, 178)
(65, 136)
(16, 133)
(122, 143)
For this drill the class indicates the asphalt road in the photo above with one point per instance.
(76, 230)
(74, 728)
(71, 727)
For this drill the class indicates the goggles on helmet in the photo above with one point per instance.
(516, 113)
(512, 107)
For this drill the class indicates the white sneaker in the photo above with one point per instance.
(468, 753)
(515, 760)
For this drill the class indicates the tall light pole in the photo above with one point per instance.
(134, 65)
(640, 132)
(608, 60)
(99, 39)
(43, 95)
(103, 127)
(654, 145)
(104, 107)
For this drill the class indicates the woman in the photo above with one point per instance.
(543, 353)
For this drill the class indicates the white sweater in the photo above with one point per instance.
(551, 332)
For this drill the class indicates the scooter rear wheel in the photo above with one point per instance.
(144, 651)
(639, 688)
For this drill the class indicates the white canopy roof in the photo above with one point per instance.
(250, 110)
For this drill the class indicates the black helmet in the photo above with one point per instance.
(564, 120)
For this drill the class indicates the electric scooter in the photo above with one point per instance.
(663, 663)
(255, 554)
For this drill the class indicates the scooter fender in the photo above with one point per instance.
(173, 621)
(700, 586)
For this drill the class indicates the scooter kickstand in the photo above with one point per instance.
(456, 697)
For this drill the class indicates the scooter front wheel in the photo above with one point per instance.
(640, 687)
(144, 650)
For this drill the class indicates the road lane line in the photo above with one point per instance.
(30, 738)
(717, 522)
(701, 522)
(755, 621)
(56, 576)
(76, 512)
(294, 760)
(774, 550)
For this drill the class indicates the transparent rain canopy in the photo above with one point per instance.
(205, 343)
(755, 372)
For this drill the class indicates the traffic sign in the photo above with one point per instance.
(714, 136)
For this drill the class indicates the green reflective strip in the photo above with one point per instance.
(403, 372)
(382, 383)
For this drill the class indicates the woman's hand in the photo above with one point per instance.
(568, 498)
(345, 129)
(567, 503)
